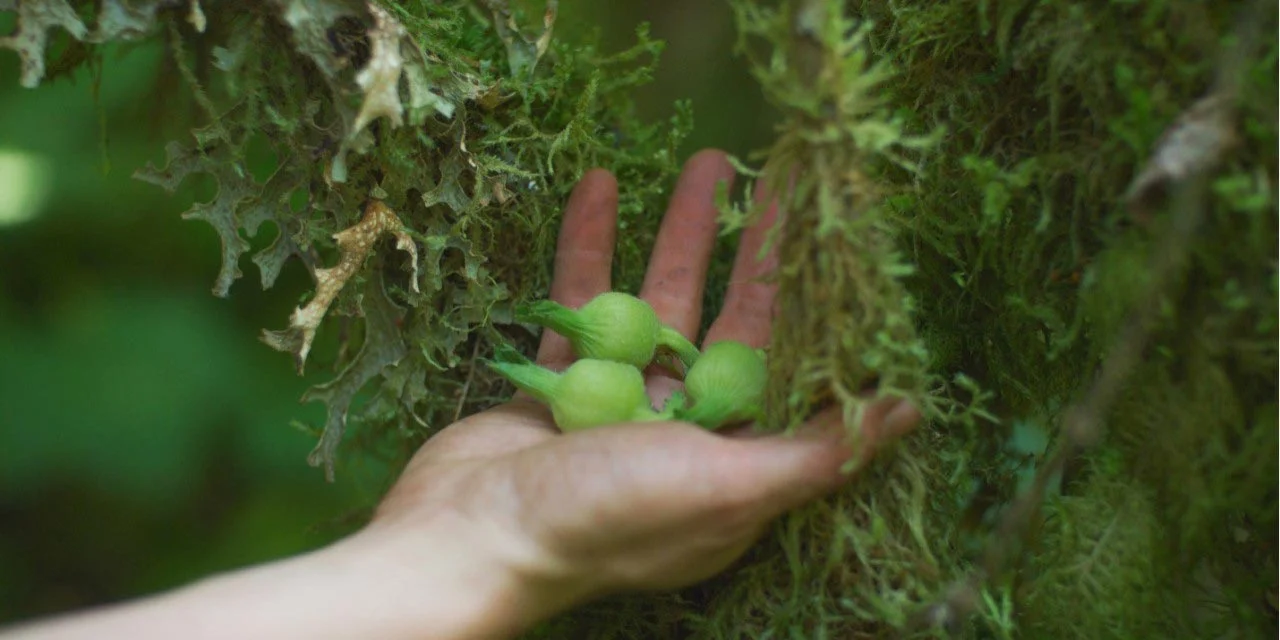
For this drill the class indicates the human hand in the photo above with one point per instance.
(500, 520)
(562, 518)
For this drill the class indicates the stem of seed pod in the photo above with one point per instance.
(713, 413)
(647, 414)
(675, 406)
(530, 378)
(552, 315)
(676, 341)
(705, 414)
(509, 354)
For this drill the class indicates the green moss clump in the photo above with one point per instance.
(987, 274)
(1103, 524)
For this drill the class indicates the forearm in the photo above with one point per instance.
(363, 587)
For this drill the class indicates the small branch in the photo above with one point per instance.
(466, 386)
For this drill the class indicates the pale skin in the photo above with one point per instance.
(501, 521)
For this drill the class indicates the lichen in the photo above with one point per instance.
(35, 19)
(427, 110)
(354, 243)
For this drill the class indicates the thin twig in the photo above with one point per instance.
(466, 386)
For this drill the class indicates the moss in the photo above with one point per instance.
(1102, 525)
(1008, 243)
(1026, 263)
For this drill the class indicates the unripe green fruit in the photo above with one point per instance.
(619, 327)
(725, 385)
(599, 392)
(590, 393)
(613, 326)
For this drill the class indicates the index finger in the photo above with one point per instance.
(584, 255)
(747, 315)
(677, 272)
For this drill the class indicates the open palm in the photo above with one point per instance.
(634, 506)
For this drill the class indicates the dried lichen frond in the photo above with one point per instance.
(321, 32)
(380, 78)
(375, 87)
(312, 25)
(116, 20)
(35, 19)
(355, 244)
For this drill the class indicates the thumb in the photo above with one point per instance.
(789, 470)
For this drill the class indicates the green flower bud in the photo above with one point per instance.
(725, 385)
(612, 326)
(590, 393)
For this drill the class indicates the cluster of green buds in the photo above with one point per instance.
(615, 337)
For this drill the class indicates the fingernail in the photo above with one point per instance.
(900, 421)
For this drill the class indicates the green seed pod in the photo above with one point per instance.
(612, 326)
(725, 385)
(590, 393)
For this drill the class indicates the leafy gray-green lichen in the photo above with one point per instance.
(453, 131)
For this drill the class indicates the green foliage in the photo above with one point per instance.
(412, 106)
(1102, 525)
(1006, 246)
(974, 193)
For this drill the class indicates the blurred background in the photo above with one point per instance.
(146, 436)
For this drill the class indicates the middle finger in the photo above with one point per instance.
(677, 272)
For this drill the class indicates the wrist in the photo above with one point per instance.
(366, 586)
(439, 582)
(452, 579)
